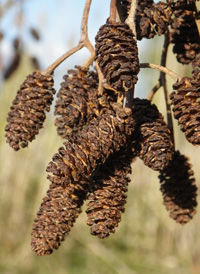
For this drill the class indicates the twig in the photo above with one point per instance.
(83, 42)
(153, 91)
(131, 17)
(164, 84)
(197, 20)
(113, 10)
(162, 69)
(101, 79)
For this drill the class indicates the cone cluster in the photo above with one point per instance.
(27, 113)
(104, 134)
(117, 55)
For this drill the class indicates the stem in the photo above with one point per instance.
(153, 91)
(131, 17)
(128, 100)
(113, 10)
(52, 67)
(83, 42)
(162, 69)
(164, 84)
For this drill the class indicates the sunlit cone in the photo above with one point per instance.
(178, 189)
(117, 55)
(184, 34)
(70, 171)
(107, 194)
(186, 107)
(152, 136)
(27, 112)
(57, 215)
(77, 100)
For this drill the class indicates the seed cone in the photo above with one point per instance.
(77, 100)
(152, 136)
(70, 171)
(107, 194)
(184, 34)
(117, 55)
(151, 18)
(27, 112)
(178, 189)
(56, 216)
(186, 107)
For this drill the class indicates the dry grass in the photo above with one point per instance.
(147, 240)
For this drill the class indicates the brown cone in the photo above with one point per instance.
(117, 55)
(107, 194)
(27, 113)
(186, 107)
(184, 34)
(71, 169)
(152, 137)
(56, 216)
(77, 101)
(178, 189)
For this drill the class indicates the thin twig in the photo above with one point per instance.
(162, 69)
(113, 10)
(153, 91)
(83, 42)
(101, 79)
(131, 17)
(164, 84)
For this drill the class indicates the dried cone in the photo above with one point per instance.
(27, 112)
(186, 107)
(117, 55)
(152, 136)
(178, 189)
(185, 35)
(77, 101)
(151, 18)
(70, 170)
(107, 194)
(57, 214)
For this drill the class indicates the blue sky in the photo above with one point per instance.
(59, 24)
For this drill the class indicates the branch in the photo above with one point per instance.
(131, 17)
(83, 42)
(153, 91)
(162, 69)
(113, 10)
(164, 84)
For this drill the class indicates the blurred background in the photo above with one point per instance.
(33, 34)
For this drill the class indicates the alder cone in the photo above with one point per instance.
(186, 107)
(185, 35)
(77, 100)
(178, 189)
(70, 171)
(152, 137)
(27, 112)
(117, 55)
(107, 194)
(152, 18)
(57, 215)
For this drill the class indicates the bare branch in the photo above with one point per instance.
(131, 17)
(162, 69)
(84, 42)
(113, 9)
